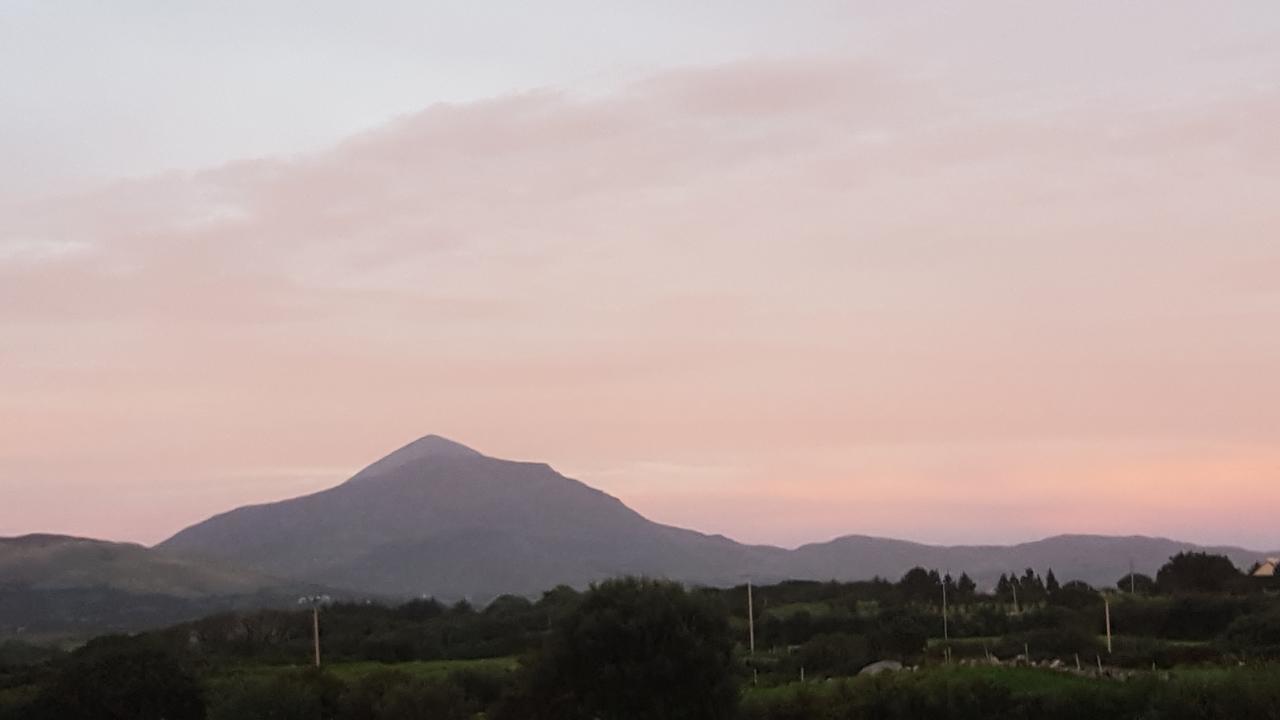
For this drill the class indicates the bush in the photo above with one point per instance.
(121, 680)
(834, 654)
(1255, 635)
(1062, 643)
(900, 634)
(310, 694)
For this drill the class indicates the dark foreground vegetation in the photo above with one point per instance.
(1197, 641)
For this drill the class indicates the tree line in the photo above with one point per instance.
(641, 648)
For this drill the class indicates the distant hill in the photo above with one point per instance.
(438, 518)
(55, 586)
(60, 562)
(1100, 560)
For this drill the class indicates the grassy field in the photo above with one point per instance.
(354, 670)
(1016, 679)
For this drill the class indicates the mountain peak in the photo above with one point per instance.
(424, 448)
(437, 446)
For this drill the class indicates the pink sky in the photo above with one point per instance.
(783, 296)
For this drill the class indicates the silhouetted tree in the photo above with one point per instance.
(125, 682)
(1196, 572)
(1076, 594)
(922, 586)
(900, 633)
(1004, 589)
(1051, 585)
(1138, 583)
(633, 649)
(1030, 588)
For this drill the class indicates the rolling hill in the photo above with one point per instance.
(60, 562)
(54, 586)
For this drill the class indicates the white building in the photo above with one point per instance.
(1267, 568)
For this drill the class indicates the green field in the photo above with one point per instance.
(346, 671)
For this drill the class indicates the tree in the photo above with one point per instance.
(966, 588)
(1004, 589)
(1190, 572)
(952, 590)
(922, 586)
(835, 654)
(1051, 585)
(122, 682)
(1257, 634)
(1076, 594)
(1030, 588)
(633, 649)
(900, 633)
(1137, 583)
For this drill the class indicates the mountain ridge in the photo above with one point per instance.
(437, 517)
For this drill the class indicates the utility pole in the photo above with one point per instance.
(751, 621)
(1106, 605)
(1131, 578)
(945, 634)
(1013, 585)
(315, 601)
(315, 627)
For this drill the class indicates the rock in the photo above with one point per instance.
(876, 668)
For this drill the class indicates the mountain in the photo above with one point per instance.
(57, 586)
(438, 518)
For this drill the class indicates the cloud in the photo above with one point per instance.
(746, 265)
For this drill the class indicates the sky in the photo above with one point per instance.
(950, 272)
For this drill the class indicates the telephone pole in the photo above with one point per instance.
(1106, 605)
(751, 621)
(315, 627)
(315, 601)
(946, 637)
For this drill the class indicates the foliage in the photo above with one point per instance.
(1013, 694)
(1197, 572)
(114, 681)
(1137, 583)
(834, 655)
(1076, 595)
(308, 694)
(633, 649)
(900, 634)
(1256, 635)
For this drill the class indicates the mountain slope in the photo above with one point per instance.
(437, 518)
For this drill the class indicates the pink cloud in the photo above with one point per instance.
(883, 292)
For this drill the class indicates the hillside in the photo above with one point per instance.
(59, 562)
(57, 586)
(438, 518)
